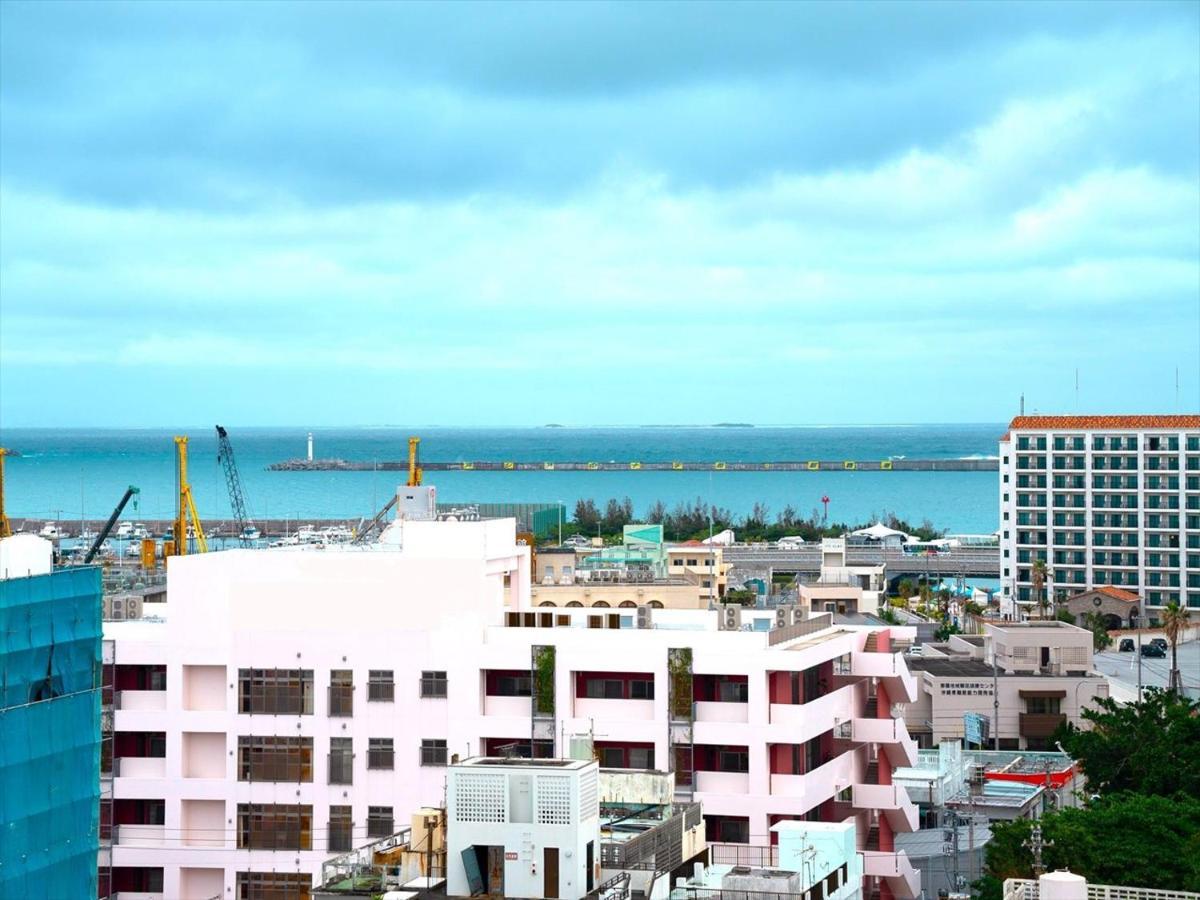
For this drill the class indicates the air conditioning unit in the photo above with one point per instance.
(643, 617)
(117, 608)
(106, 609)
(731, 618)
(783, 616)
(133, 607)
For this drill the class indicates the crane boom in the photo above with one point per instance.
(233, 481)
(186, 507)
(112, 520)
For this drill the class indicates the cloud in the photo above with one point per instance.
(406, 203)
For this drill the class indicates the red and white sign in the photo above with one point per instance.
(510, 854)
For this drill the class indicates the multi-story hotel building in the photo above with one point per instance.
(1102, 500)
(291, 704)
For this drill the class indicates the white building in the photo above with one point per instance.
(296, 703)
(1102, 500)
(523, 828)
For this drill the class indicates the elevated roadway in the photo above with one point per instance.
(971, 562)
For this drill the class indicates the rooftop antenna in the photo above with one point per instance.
(1022, 404)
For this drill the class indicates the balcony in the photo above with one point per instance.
(138, 835)
(1040, 725)
(721, 783)
(140, 700)
(901, 685)
(140, 767)
(720, 711)
(520, 707)
(895, 868)
(618, 710)
(892, 736)
(891, 799)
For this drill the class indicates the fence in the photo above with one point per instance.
(1025, 889)
(817, 623)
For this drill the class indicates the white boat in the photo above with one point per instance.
(87, 535)
(306, 534)
(52, 531)
(250, 533)
(134, 549)
(124, 531)
(140, 532)
(335, 534)
(106, 548)
(290, 541)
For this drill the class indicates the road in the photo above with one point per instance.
(1123, 666)
(982, 562)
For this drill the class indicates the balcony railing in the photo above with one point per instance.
(140, 767)
(139, 700)
(1024, 889)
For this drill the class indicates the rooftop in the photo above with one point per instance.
(1097, 423)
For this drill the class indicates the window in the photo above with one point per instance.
(433, 684)
(341, 760)
(514, 686)
(341, 829)
(341, 692)
(733, 761)
(605, 688)
(612, 757)
(641, 757)
(381, 685)
(1044, 706)
(379, 821)
(273, 885)
(733, 692)
(269, 826)
(641, 690)
(275, 691)
(380, 754)
(274, 758)
(433, 752)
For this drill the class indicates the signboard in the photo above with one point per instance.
(510, 854)
(976, 729)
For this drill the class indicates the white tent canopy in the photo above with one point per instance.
(724, 538)
(880, 532)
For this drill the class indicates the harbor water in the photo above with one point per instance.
(64, 474)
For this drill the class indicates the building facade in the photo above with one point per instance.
(49, 726)
(297, 703)
(1025, 679)
(1101, 500)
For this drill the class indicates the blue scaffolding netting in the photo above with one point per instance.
(50, 734)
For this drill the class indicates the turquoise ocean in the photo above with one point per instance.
(65, 473)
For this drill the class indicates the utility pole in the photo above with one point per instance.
(995, 700)
(1037, 845)
(1139, 656)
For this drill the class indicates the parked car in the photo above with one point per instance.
(1159, 642)
(1153, 650)
(1126, 645)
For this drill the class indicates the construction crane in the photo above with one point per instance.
(185, 509)
(414, 480)
(5, 528)
(414, 466)
(108, 526)
(233, 481)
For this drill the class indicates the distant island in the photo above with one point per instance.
(733, 425)
(553, 425)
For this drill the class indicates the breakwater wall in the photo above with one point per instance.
(811, 465)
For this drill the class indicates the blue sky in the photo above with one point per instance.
(595, 214)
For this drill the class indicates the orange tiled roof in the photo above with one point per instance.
(1103, 422)
(1117, 594)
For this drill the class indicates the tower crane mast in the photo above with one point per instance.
(233, 481)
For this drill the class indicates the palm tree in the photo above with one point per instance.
(1039, 584)
(1174, 622)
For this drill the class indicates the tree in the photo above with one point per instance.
(905, 588)
(657, 513)
(1129, 839)
(1039, 585)
(1174, 622)
(1098, 625)
(587, 517)
(1151, 747)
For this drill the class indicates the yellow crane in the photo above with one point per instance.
(185, 509)
(5, 528)
(414, 467)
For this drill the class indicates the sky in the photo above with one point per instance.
(588, 213)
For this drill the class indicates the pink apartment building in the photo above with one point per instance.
(292, 704)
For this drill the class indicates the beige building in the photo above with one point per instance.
(604, 594)
(1025, 678)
